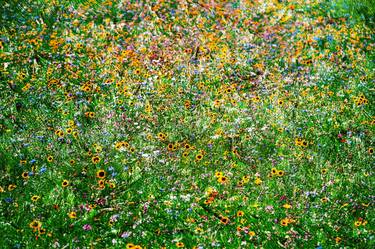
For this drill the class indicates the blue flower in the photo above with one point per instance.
(42, 170)
(8, 200)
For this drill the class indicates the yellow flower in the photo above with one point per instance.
(100, 174)
(287, 206)
(222, 179)
(274, 171)
(180, 244)
(72, 215)
(280, 173)
(246, 179)
(258, 181)
(130, 246)
(25, 175)
(199, 157)
(35, 224)
(65, 183)
(224, 220)
(11, 187)
(95, 159)
(284, 222)
(35, 198)
(240, 213)
(162, 136)
(357, 223)
(218, 173)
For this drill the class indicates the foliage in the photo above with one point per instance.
(165, 124)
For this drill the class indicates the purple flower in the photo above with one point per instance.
(87, 227)
(125, 234)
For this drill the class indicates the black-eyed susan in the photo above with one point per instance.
(35, 198)
(11, 187)
(284, 222)
(95, 159)
(280, 173)
(111, 185)
(41, 231)
(338, 240)
(370, 151)
(72, 215)
(72, 162)
(274, 171)
(100, 174)
(130, 246)
(25, 175)
(60, 133)
(240, 213)
(35, 224)
(224, 220)
(65, 183)
(162, 136)
(304, 143)
(357, 223)
(218, 174)
(98, 149)
(324, 171)
(50, 158)
(199, 157)
(187, 104)
(70, 122)
(222, 179)
(118, 145)
(246, 178)
(187, 146)
(324, 199)
(298, 141)
(180, 244)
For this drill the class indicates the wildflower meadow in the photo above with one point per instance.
(187, 124)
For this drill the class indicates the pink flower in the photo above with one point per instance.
(87, 227)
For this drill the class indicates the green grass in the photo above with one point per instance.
(359, 10)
